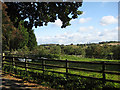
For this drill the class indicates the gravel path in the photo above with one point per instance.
(12, 83)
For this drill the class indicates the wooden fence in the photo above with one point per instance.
(66, 67)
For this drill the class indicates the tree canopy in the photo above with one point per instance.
(16, 38)
(40, 13)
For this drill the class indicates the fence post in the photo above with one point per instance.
(13, 62)
(67, 70)
(3, 58)
(43, 67)
(103, 72)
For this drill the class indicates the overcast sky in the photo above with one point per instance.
(99, 22)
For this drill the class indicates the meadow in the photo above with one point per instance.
(77, 58)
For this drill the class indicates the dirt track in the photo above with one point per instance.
(12, 83)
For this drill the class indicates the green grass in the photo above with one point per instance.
(76, 58)
(22, 74)
(83, 73)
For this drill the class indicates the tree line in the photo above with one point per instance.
(92, 51)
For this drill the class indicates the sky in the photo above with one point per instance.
(99, 22)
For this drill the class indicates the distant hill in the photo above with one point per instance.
(109, 42)
(99, 43)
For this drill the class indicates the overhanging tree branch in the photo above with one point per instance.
(40, 13)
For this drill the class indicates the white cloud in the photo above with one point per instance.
(106, 20)
(84, 20)
(110, 35)
(79, 37)
(58, 22)
(84, 29)
(73, 20)
(91, 27)
(116, 28)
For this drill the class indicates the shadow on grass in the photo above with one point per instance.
(8, 84)
(13, 84)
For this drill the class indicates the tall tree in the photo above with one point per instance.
(25, 35)
(10, 35)
(31, 40)
(16, 38)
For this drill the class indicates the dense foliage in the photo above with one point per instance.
(87, 51)
(40, 13)
(16, 38)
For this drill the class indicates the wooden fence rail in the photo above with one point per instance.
(66, 67)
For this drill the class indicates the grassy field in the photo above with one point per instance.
(80, 65)
(115, 68)
(76, 58)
